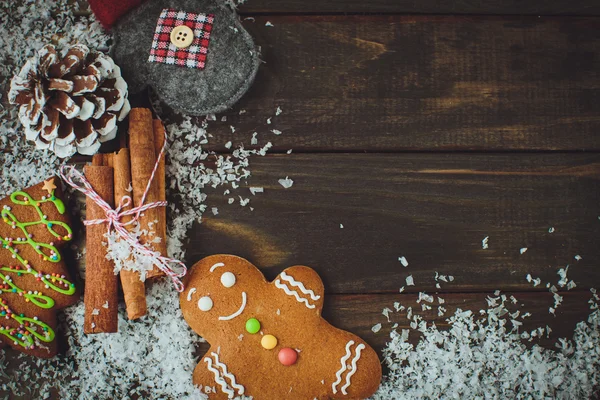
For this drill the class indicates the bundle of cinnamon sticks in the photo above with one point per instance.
(113, 176)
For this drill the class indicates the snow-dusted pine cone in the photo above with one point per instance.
(72, 103)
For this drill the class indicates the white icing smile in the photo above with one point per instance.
(238, 312)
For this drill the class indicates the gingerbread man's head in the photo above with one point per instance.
(218, 291)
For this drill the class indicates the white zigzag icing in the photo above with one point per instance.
(353, 370)
(224, 387)
(289, 292)
(299, 285)
(228, 375)
(343, 360)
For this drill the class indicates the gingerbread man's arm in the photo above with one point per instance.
(303, 285)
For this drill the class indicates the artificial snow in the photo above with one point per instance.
(485, 358)
(286, 183)
(484, 243)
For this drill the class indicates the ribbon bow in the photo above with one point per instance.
(114, 216)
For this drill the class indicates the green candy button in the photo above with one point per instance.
(252, 325)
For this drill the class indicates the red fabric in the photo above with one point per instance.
(193, 56)
(109, 11)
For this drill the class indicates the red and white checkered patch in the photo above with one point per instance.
(193, 56)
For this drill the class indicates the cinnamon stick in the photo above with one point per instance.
(160, 181)
(133, 288)
(143, 158)
(100, 295)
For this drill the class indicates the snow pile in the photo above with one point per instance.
(130, 258)
(486, 358)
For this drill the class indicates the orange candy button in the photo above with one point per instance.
(268, 342)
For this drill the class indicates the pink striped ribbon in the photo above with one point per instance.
(113, 218)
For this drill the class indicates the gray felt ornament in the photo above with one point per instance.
(208, 75)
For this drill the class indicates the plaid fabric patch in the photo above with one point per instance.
(193, 56)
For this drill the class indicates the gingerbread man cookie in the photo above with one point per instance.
(268, 339)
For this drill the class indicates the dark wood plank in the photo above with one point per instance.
(498, 7)
(399, 83)
(432, 209)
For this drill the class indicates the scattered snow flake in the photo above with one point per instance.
(268, 23)
(228, 145)
(232, 128)
(278, 111)
(562, 273)
(386, 312)
(578, 257)
(289, 151)
(255, 190)
(403, 261)
(254, 140)
(410, 281)
(244, 202)
(95, 311)
(231, 200)
(286, 183)
(276, 131)
(551, 229)
(341, 226)
(269, 121)
(105, 305)
(484, 242)
(522, 250)
(376, 328)
(224, 118)
(215, 210)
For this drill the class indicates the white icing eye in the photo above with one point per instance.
(205, 303)
(228, 279)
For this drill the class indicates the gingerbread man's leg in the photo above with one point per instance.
(213, 378)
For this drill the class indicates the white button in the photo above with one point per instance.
(182, 36)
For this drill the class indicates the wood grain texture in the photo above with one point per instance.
(422, 83)
(433, 209)
(497, 7)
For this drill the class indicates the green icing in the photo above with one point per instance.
(31, 330)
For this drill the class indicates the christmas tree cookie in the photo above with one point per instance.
(34, 282)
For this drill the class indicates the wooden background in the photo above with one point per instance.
(422, 127)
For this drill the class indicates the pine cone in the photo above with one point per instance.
(71, 104)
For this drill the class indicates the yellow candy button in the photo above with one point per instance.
(182, 36)
(268, 342)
